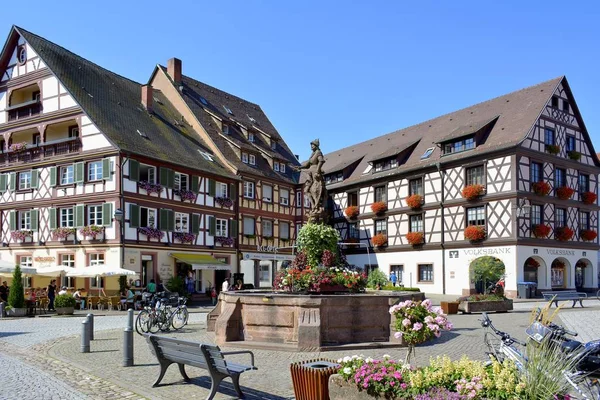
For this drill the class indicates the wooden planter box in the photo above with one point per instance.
(468, 307)
(339, 389)
(449, 307)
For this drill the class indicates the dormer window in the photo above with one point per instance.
(276, 166)
(251, 137)
(333, 178)
(273, 145)
(383, 165)
(206, 156)
(252, 159)
(282, 168)
(228, 110)
(245, 158)
(74, 131)
(225, 129)
(459, 145)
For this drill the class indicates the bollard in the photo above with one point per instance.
(90, 318)
(1, 309)
(85, 336)
(128, 341)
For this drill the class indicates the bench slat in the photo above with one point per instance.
(171, 353)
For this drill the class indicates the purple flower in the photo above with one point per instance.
(406, 322)
(225, 241)
(184, 237)
(151, 233)
(185, 195)
(150, 187)
(225, 202)
(417, 326)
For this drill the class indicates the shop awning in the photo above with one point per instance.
(200, 261)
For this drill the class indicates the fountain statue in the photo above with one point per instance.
(314, 186)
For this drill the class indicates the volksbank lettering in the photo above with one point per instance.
(561, 252)
(487, 252)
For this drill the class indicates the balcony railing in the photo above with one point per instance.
(35, 152)
(24, 110)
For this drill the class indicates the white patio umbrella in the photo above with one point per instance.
(53, 270)
(7, 268)
(96, 271)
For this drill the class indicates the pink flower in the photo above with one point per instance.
(429, 319)
(449, 325)
(403, 386)
(392, 383)
(406, 322)
(426, 303)
(417, 326)
(398, 335)
(440, 320)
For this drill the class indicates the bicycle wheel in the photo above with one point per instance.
(163, 320)
(153, 322)
(493, 344)
(179, 318)
(141, 322)
(598, 294)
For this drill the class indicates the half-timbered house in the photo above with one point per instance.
(98, 169)
(515, 177)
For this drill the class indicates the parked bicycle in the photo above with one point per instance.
(160, 314)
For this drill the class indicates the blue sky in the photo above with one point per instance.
(340, 71)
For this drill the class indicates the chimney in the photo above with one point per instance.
(174, 69)
(147, 97)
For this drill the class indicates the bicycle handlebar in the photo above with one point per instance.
(487, 323)
(561, 330)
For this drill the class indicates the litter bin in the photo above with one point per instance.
(311, 378)
(526, 290)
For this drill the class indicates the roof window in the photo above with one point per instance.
(251, 137)
(427, 153)
(228, 110)
(206, 156)
(251, 119)
(203, 101)
(459, 145)
(225, 129)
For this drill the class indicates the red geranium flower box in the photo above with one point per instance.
(415, 238)
(588, 235)
(351, 212)
(379, 240)
(471, 192)
(589, 197)
(541, 188)
(563, 233)
(414, 201)
(474, 233)
(379, 207)
(564, 192)
(541, 230)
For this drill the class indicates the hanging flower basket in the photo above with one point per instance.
(574, 155)
(224, 240)
(225, 202)
(21, 235)
(415, 238)
(563, 233)
(541, 230)
(150, 187)
(379, 240)
(91, 231)
(184, 237)
(541, 188)
(62, 233)
(18, 147)
(471, 192)
(151, 233)
(185, 195)
(564, 192)
(589, 197)
(553, 149)
(379, 207)
(474, 233)
(351, 212)
(415, 201)
(588, 235)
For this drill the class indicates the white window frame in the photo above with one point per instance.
(150, 216)
(221, 227)
(284, 230)
(284, 200)
(282, 168)
(25, 220)
(251, 159)
(267, 228)
(66, 217)
(96, 259)
(94, 171)
(181, 181)
(276, 166)
(428, 274)
(245, 158)
(151, 173)
(249, 190)
(182, 222)
(94, 214)
(24, 180)
(67, 176)
(68, 281)
(27, 262)
(249, 222)
(298, 199)
(267, 199)
(251, 137)
(223, 189)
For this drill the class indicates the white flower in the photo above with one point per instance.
(386, 356)
(347, 359)
(354, 357)
(340, 360)
(368, 360)
(347, 370)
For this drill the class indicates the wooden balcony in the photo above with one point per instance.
(42, 151)
(24, 110)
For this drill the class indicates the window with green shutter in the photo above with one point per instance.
(34, 219)
(79, 216)
(35, 178)
(79, 172)
(163, 222)
(107, 214)
(194, 184)
(53, 180)
(167, 177)
(171, 180)
(134, 170)
(106, 169)
(134, 216)
(195, 224)
(233, 191)
(233, 228)
(12, 218)
(52, 217)
(212, 187)
(212, 226)
(12, 184)
(3, 183)
(171, 221)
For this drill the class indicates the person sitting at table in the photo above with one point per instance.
(63, 290)
(127, 298)
(78, 300)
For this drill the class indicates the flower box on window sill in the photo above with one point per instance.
(17, 147)
(574, 155)
(475, 233)
(589, 197)
(224, 202)
(541, 188)
(151, 233)
(563, 233)
(351, 212)
(552, 149)
(224, 240)
(379, 207)
(21, 235)
(184, 237)
(150, 187)
(379, 240)
(564, 192)
(589, 235)
(541, 230)
(185, 195)
(91, 231)
(415, 238)
(471, 192)
(415, 201)
(62, 233)
(249, 236)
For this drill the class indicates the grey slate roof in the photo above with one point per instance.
(516, 114)
(194, 92)
(114, 105)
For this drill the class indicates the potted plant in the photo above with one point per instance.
(589, 197)
(64, 304)
(553, 149)
(471, 192)
(484, 303)
(224, 240)
(564, 192)
(351, 212)
(541, 230)
(62, 233)
(16, 296)
(574, 155)
(588, 235)
(415, 238)
(225, 202)
(91, 231)
(17, 147)
(541, 188)
(474, 233)
(415, 201)
(379, 207)
(379, 240)
(563, 233)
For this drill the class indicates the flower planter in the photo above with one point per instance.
(449, 307)
(469, 307)
(351, 212)
(574, 155)
(564, 192)
(379, 240)
(415, 201)
(589, 197)
(340, 389)
(471, 192)
(553, 149)
(379, 207)
(65, 310)
(16, 312)
(541, 188)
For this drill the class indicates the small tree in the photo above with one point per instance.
(487, 269)
(176, 284)
(16, 296)
(122, 283)
(376, 277)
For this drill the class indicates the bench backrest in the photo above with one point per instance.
(214, 359)
(176, 350)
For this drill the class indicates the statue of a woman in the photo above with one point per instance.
(314, 186)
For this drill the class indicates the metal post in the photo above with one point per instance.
(90, 318)
(1, 309)
(85, 336)
(128, 341)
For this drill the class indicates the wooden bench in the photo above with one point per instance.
(182, 352)
(565, 295)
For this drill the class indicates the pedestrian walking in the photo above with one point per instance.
(51, 294)
(4, 290)
(393, 278)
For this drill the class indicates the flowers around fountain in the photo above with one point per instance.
(418, 322)
(91, 231)
(184, 237)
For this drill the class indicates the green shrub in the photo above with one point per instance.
(16, 296)
(401, 288)
(122, 283)
(176, 284)
(64, 300)
(314, 239)
(376, 277)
